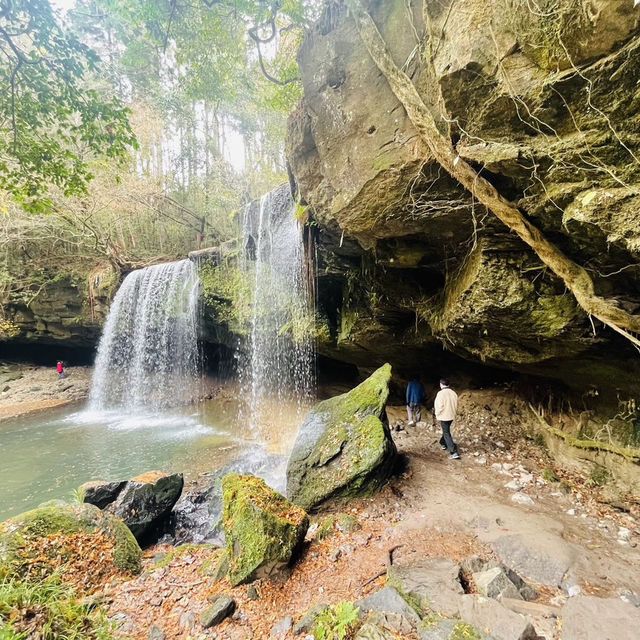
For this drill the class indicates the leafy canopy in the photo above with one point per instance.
(51, 123)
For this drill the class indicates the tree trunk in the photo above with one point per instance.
(575, 277)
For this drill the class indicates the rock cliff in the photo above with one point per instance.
(544, 105)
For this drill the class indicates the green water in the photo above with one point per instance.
(48, 456)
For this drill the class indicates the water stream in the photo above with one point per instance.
(148, 354)
(279, 362)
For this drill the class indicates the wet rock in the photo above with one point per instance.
(307, 622)
(388, 600)
(591, 618)
(494, 583)
(280, 629)
(498, 621)
(344, 446)
(264, 531)
(197, 516)
(221, 607)
(19, 534)
(433, 586)
(100, 493)
(146, 501)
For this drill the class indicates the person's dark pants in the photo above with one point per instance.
(446, 440)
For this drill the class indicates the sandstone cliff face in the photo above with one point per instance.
(546, 105)
(57, 306)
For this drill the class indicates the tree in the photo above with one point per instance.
(575, 277)
(52, 122)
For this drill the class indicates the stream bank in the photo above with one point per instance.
(505, 486)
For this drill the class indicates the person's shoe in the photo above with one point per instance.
(412, 423)
(454, 456)
(443, 447)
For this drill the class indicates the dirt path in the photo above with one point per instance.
(28, 389)
(435, 508)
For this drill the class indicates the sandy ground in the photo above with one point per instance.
(28, 389)
(434, 507)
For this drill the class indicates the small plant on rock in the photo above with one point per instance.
(337, 623)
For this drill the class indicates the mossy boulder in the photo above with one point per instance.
(20, 536)
(344, 446)
(264, 531)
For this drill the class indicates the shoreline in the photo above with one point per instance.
(28, 389)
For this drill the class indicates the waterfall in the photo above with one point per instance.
(279, 363)
(148, 354)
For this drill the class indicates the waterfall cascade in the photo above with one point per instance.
(148, 353)
(279, 362)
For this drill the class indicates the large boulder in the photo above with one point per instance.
(143, 503)
(264, 531)
(28, 540)
(344, 446)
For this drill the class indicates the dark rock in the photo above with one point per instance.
(591, 618)
(100, 493)
(264, 531)
(146, 501)
(222, 607)
(344, 446)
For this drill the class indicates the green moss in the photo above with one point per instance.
(353, 454)
(228, 295)
(464, 631)
(57, 518)
(264, 531)
(550, 475)
(326, 528)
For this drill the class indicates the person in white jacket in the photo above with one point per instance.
(446, 407)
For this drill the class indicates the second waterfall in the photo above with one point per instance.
(278, 361)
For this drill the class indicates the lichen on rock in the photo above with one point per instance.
(344, 446)
(264, 531)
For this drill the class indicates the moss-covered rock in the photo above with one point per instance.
(344, 446)
(264, 531)
(19, 535)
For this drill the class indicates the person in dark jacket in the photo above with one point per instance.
(415, 397)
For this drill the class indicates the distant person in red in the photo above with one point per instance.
(60, 369)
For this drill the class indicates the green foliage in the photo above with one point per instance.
(53, 121)
(336, 623)
(48, 610)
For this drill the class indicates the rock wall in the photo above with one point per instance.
(62, 306)
(545, 106)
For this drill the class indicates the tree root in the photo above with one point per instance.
(628, 453)
(576, 278)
